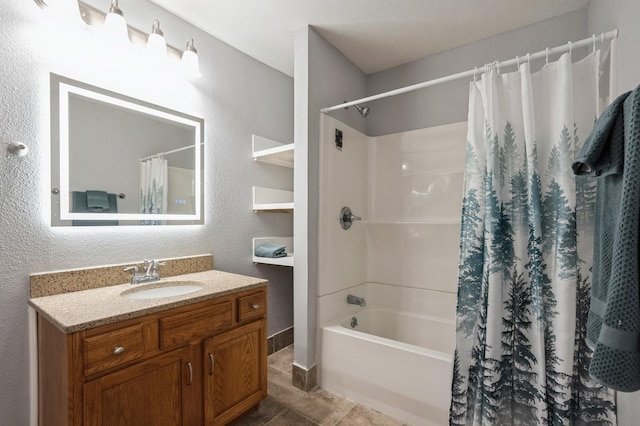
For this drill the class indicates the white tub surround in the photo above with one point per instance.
(403, 330)
(379, 364)
(397, 360)
(402, 258)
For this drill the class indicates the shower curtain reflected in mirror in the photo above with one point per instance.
(526, 252)
(154, 174)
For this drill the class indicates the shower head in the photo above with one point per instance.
(363, 110)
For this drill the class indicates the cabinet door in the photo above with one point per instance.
(160, 391)
(235, 365)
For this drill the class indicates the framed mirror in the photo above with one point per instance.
(119, 161)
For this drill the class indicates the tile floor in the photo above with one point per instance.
(287, 405)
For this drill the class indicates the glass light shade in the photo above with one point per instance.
(157, 46)
(190, 64)
(116, 26)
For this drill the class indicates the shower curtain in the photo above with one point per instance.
(153, 187)
(526, 252)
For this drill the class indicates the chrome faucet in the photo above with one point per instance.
(355, 300)
(150, 273)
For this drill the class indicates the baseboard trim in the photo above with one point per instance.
(279, 340)
(304, 379)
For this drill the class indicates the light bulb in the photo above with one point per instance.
(115, 25)
(156, 44)
(190, 64)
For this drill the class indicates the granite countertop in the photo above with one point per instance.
(81, 310)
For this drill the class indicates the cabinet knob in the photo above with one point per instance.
(255, 307)
(118, 350)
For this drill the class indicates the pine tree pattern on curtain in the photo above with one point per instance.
(154, 175)
(526, 253)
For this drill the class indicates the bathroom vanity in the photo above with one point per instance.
(194, 359)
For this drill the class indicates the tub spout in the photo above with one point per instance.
(355, 300)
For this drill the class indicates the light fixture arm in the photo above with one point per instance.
(115, 9)
(191, 47)
(155, 28)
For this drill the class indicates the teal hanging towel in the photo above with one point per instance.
(97, 201)
(611, 154)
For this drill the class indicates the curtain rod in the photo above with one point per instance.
(465, 74)
(160, 154)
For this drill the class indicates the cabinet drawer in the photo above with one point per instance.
(113, 348)
(252, 306)
(197, 324)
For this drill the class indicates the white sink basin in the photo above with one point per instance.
(163, 289)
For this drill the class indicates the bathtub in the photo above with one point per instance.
(397, 362)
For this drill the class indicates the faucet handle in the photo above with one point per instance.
(136, 274)
(154, 267)
(131, 268)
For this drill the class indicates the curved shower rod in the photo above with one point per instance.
(466, 74)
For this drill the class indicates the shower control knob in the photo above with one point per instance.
(347, 217)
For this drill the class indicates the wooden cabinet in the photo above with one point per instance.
(165, 384)
(200, 364)
(236, 378)
(252, 306)
(112, 348)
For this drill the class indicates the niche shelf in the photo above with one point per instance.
(280, 261)
(272, 200)
(272, 152)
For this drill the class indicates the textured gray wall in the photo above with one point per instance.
(237, 96)
(323, 77)
(605, 15)
(448, 103)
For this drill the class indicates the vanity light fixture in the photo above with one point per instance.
(115, 24)
(156, 44)
(189, 62)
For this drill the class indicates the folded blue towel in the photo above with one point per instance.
(271, 250)
(97, 201)
(79, 205)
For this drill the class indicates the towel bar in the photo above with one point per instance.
(56, 191)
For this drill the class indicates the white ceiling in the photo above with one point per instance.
(373, 34)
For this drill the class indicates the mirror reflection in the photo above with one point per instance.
(121, 161)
